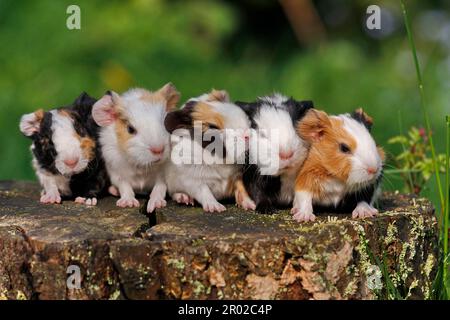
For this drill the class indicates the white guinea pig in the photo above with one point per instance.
(205, 173)
(343, 169)
(135, 144)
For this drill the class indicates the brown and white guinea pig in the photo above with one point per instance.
(209, 139)
(135, 143)
(343, 169)
(273, 139)
(66, 155)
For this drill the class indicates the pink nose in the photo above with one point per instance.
(371, 170)
(285, 155)
(157, 150)
(71, 163)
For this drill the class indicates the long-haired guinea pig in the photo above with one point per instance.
(209, 138)
(343, 169)
(135, 144)
(276, 152)
(66, 155)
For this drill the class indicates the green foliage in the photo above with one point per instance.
(415, 163)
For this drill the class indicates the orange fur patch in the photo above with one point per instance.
(39, 114)
(325, 161)
(122, 133)
(88, 147)
(205, 114)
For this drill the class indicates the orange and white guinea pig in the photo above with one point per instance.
(343, 169)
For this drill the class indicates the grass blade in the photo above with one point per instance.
(423, 106)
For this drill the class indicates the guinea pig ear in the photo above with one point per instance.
(314, 125)
(171, 95)
(218, 95)
(180, 119)
(104, 110)
(360, 116)
(31, 123)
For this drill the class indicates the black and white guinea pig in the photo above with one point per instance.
(135, 143)
(66, 153)
(276, 151)
(343, 169)
(209, 139)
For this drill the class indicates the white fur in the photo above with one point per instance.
(276, 134)
(134, 168)
(54, 185)
(67, 145)
(303, 210)
(207, 182)
(366, 154)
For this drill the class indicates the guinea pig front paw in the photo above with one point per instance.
(127, 203)
(302, 216)
(247, 204)
(364, 210)
(51, 197)
(213, 206)
(155, 203)
(183, 198)
(86, 201)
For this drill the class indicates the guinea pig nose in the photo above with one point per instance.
(371, 170)
(157, 150)
(71, 162)
(285, 155)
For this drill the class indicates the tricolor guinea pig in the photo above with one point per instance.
(209, 139)
(275, 154)
(135, 143)
(343, 169)
(66, 155)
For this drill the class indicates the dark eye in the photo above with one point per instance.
(213, 127)
(344, 148)
(131, 129)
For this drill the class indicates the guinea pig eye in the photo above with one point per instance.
(213, 127)
(131, 129)
(344, 148)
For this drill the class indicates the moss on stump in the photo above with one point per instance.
(183, 253)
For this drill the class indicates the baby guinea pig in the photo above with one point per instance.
(66, 155)
(343, 169)
(135, 144)
(274, 139)
(209, 139)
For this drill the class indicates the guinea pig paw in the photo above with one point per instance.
(183, 198)
(364, 211)
(213, 207)
(248, 204)
(301, 216)
(114, 191)
(155, 204)
(127, 203)
(52, 197)
(86, 201)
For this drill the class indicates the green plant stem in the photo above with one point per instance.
(423, 105)
(400, 125)
(447, 182)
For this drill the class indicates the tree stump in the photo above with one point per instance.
(183, 253)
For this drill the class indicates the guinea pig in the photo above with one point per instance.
(275, 154)
(134, 142)
(209, 139)
(343, 169)
(66, 155)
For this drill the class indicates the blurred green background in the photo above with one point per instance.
(319, 50)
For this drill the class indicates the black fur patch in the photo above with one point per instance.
(43, 148)
(350, 201)
(362, 118)
(264, 189)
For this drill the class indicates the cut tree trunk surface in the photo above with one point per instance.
(184, 253)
